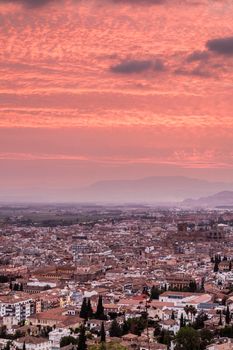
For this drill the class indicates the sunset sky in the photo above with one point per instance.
(114, 89)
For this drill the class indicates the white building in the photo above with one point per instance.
(56, 336)
(32, 343)
(21, 309)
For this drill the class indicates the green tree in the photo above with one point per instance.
(220, 319)
(89, 309)
(137, 325)
(82, 339)
(206, 338)
(216, 266)
(157, 329)
(187, 339)
(199, 321)
(226, 332)
(100, 309)
(115, 329)
(84, 309)
(154, 293)
(108, 346)
(165, 337)
(125, 328)
(102, 333)
(193, 286)
(228, 316)
(182, 320)
(67, 341)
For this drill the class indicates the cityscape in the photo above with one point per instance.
(121, 277)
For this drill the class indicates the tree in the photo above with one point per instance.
(24, 346)
(154, 293)
(227, 332)
(230, 266)
(206, 338)
(84, 309)
(199, 321)
(228, 316)
(182, 320)
(125, 328)
(3, 332)
(193, 311)
(8, 345)
(67, 341)
(82, 339)
(220, 319)
(216, 266)
(115, 329)
(100, 309)
(173, 315)
(203, 284)
(108, 346)
(102, 333)
(157, 330)
(16, 287)
(165, 337)
(89, 309)
(187, 339)
(193, 286)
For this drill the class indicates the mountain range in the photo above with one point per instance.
(220, 199)
(149, 190)
(154, 189)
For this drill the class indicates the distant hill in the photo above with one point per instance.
(150, 190)
(220, 199)
(162, 190)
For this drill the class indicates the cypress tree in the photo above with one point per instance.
(182, 320)
(82, 339)
(228, 316)
(154, 294)
(89, 308)
(102, 333)
(220, 319)
(100, 309)
(84, 309)
(216, 266)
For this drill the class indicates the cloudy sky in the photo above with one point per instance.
(114, 89)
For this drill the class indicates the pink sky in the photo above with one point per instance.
(114, 89)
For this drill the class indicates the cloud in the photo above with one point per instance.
(140, 2)
(223, 46)
(198, 56)
(137, 66)
(28, 3)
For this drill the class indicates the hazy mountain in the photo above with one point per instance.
(224, 198)
(151, 190)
